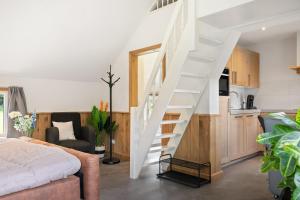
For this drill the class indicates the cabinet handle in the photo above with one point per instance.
(234, 77)
(249, 80)
(250, 116)
(238, 116)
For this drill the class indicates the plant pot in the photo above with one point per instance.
(100, 151)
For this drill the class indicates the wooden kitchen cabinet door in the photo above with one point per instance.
(254, 70)
(251, 133)
(240, 64)
(236, 137)
(224, 104)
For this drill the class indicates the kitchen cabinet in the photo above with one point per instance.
(242, 134)
(224, 113)
(236, 137)
(251, 133)
(253, 70)
(244, 68)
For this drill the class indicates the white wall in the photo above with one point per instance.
(145, 67)
(279, 86)
(150, 32)
(48, 95)
(65, 39)
(44, 95)
(205, 7)
(298, 48)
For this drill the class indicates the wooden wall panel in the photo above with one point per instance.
(122, 136)
(42, 123)
(168, 128)
(199, 143)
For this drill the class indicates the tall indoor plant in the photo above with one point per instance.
(284, 152)
(99, 120)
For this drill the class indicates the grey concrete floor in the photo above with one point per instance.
(241, 181)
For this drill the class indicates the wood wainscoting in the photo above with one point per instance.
(122, 136)
(200, 142)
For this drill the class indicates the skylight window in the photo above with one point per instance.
(161, 3)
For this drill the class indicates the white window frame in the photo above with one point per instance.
(5, 118)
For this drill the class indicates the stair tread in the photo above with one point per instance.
(159, 148)
(180, 107)
(202, 58)
(166, 135)
(192, 75)
(172, 121)
(209, 40)
(187, 91)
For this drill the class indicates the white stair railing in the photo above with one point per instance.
(140, 116)
(168, 49)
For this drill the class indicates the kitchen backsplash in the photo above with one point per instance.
(237, 94)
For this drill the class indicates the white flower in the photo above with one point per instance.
(14, 114)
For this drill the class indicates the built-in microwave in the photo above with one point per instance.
(224, 83)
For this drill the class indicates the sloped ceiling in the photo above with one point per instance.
(65, 39)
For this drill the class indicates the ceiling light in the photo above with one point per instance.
(263, 28)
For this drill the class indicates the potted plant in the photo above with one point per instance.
(23, 124)
(283, 154)
(98, 120)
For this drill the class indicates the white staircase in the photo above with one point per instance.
(196, 52)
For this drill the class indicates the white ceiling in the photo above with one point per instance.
(65, 39)
(280, 17)
(277, 32)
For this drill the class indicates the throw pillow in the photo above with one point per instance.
(65, 129)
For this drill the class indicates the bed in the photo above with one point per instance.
(38, 170)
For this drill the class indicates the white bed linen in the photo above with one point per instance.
(24, 165)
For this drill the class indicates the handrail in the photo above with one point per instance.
(163, 50)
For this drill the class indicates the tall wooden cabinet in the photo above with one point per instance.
(236, 137)
(224, 120)
(244, 68)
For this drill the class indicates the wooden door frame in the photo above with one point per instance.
(133, 72)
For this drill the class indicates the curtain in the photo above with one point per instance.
(16, 102)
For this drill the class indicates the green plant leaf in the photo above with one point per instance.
(268, 164)
(296, 194)
(298, 116)
(292, 138)
(297, 178)
(278, 131)
(285, 119)
(287, 164)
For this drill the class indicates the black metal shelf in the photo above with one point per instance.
(172, 174)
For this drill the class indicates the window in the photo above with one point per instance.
(3, 113)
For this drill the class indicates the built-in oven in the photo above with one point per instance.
(224, 83)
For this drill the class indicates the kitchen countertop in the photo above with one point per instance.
(292, 111)
(244, 111)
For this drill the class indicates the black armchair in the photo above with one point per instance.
(85, 136)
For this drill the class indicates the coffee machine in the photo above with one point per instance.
(250, 101)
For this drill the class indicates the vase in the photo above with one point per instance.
(100, 150)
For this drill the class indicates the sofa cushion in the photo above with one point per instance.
(79, 145)
(66, 117)
(65, 130)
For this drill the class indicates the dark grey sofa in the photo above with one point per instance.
(85, 136)
(274, 177)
